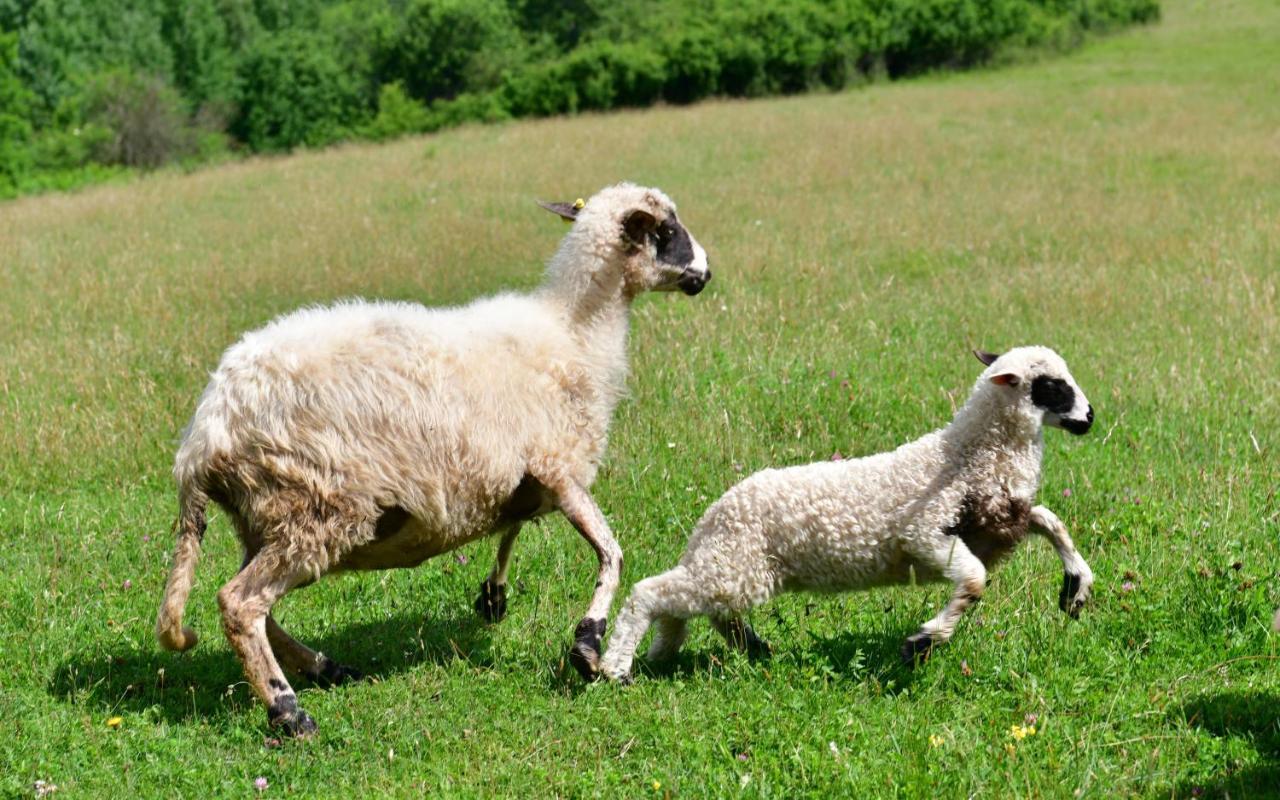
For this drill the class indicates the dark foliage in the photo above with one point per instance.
(145, 82)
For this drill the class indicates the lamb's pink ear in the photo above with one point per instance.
(985, 357)
(567, 211)
(1005, 379)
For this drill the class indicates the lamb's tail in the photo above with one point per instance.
(190, 526)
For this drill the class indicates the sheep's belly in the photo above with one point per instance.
(407, 544)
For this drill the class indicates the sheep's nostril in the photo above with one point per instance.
(1089, 417)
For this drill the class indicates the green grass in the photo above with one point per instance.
(1121, 204)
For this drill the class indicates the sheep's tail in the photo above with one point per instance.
(190, 525)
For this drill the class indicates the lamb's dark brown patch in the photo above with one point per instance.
(991, 527)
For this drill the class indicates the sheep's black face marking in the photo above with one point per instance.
(675, 246)
(1053, 394)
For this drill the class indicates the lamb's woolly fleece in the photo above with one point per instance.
(835, 526)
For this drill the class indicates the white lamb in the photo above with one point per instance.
(376, 435)
(946, 506)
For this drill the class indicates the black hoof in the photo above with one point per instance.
(491, 605)
(285, 716)
(585, 653)
(335, 674)
(756, 647)
(916, 649)
(1070, 599)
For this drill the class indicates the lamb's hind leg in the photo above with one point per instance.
(246, 601)
(953, 559)
(297, 657)
(1077, 578)
(740, 636)
(492, 602)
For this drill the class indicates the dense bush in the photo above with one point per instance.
(87, 83)
(293, 91)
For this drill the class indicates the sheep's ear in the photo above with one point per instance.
(985, 357)
(1005, 379)
(567, 211)
(638, 224)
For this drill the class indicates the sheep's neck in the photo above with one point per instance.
(597, 312)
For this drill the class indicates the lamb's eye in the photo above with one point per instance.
(665, 233)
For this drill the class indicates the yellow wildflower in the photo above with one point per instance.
(657, 785)
(1021, 732)
(114, 722)
(936, 740)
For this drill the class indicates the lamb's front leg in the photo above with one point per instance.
(585, 515)
(1077, 578)
(953, 559)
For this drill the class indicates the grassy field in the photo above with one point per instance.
(1121, 204)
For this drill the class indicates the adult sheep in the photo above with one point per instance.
(376, 435)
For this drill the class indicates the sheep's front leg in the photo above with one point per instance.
(585, 515)
(492, 602)
(1077, 578)
(960, 566)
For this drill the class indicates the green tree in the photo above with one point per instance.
(66, 42)
(293, 92)
(15, 129)
(446, 47)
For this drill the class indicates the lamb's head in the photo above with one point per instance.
(636, 237)
(1035, 381)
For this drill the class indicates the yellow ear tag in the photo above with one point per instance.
(578, 205)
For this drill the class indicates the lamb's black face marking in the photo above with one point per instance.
(1053, 394)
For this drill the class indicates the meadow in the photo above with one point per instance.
(1121, 204)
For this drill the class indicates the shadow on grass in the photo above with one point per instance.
(1253, 716)
(858, 657)
(181, 685)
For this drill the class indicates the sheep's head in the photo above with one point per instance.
(637, 233)
(1036, 381)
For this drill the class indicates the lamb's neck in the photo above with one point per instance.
(991, 442)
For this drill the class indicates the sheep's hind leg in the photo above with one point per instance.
(960, 566)
(585, 516)
(740, 636)
(1077, 578)
(492, 602)
(246, 601)
(297, 657)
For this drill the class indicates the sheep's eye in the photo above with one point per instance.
(665, 233)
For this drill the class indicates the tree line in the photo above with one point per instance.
(92, 87)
